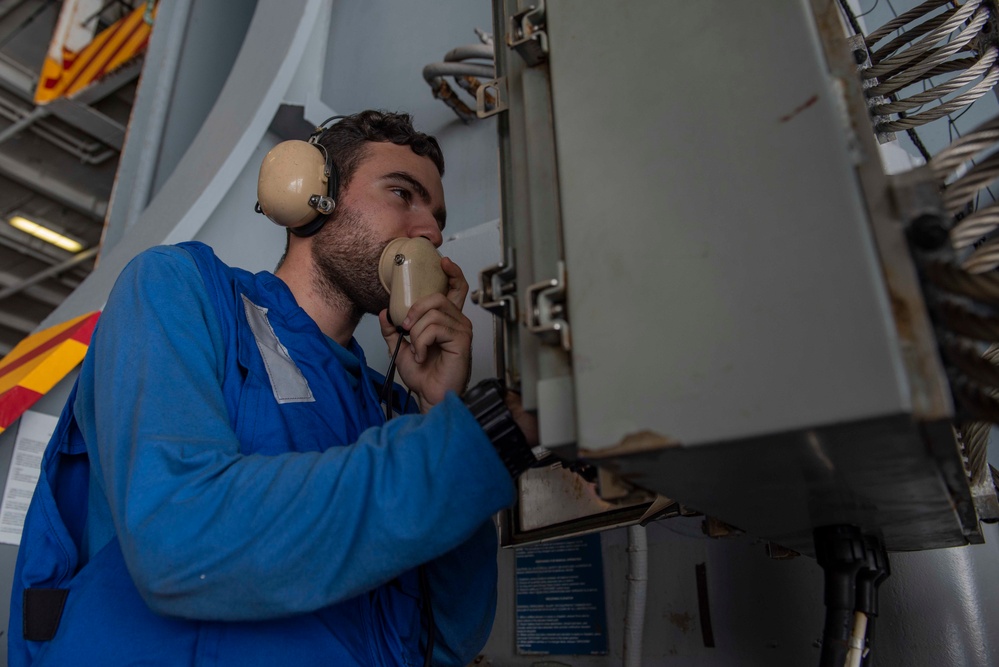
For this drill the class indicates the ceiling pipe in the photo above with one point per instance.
(10, 8)
(78, 258)
(35, 114)
(65, 193)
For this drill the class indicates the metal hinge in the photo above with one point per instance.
(490, 98)
(547, 315)
(527, 34)
(497, 291)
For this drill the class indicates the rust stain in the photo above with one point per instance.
(682, 621)
(634, 443)
(809, 102)
(903, 316)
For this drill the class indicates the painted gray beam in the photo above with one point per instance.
(21, 324)
(78, 258)
(42, 294)
(137, 196)
(90, 120)
(15, 78)
(268, 61)
(65, 193)
(75, 110)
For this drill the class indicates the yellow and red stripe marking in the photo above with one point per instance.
(114, 46)
(39, 361)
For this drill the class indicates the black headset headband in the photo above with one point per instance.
(332, 178)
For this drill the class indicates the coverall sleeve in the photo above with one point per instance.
(208, 533)
(463, 589)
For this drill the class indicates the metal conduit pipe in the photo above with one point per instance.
(469, 52)
(437, 70)
(152, 136)
(638, 585)
(434, 74)
(23, 122)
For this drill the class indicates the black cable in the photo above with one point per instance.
(836, 637)
(428, 609)
(872, 574)
(839, 550)
(873, 7)
(428, 613)
(868, 658)
(917, 141)
(854, 23)
(386, 392)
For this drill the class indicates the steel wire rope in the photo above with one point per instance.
(983, 258)
(925, 44)
(965, 322)
(964, 189)
(966, 147)
(976, 434)
(975, 376)
(951, 278)
(913, 33)
(980, 67)
(969, 230)
(902, 19)
(970, 361)
(945, 108)
(977, 400)
(934, 58)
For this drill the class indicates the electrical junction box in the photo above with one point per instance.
(705, 287)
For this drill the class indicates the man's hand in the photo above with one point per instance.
(439, 355)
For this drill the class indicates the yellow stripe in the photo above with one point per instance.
(37, 339)
(51, 71)
(106, 51)
(63, 359)
(130, 49)
(82, 60)
(12, 379)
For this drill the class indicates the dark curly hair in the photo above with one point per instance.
(347, 140)
(347, 144)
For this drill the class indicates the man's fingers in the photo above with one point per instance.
(457, 285)
(439, 329)
(427, 305)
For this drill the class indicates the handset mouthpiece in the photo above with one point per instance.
(410, 269)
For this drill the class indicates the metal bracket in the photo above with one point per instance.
(497, 291)
(322, 204)
(527, 34)
(496, 90)
(547, 315)
(862, 56)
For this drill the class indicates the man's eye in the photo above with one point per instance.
(401, 192)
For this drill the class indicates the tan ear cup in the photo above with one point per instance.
(292, 187)
(410, 269)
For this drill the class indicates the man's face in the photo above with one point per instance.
(393, 193)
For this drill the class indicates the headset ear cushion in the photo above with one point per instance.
(292, 173)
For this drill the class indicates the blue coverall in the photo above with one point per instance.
(245, 503)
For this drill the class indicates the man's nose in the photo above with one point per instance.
(427, 227)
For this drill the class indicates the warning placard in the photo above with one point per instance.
(560, 598)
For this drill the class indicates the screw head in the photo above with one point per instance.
(399, 259)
